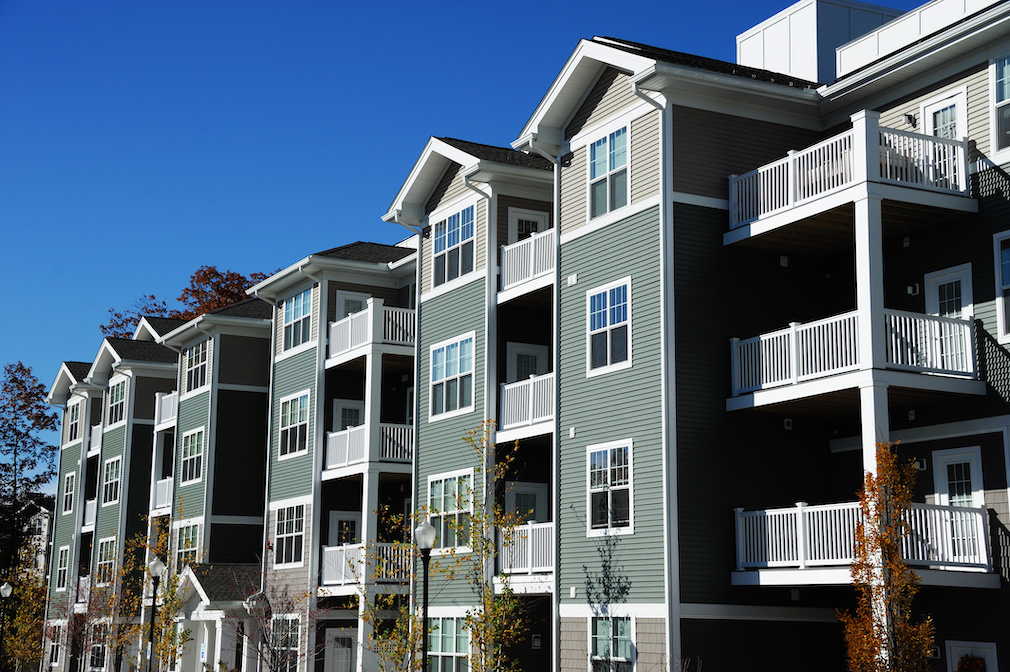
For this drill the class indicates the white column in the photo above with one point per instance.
(225, 644)
(366, 658)
(866, 145)
(875, 424)
(373, 401)
(870, 281)
(369, 505)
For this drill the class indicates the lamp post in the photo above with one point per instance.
(5, 591)
(157, 568)
(424, 534)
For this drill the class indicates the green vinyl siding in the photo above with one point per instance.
(107, 517)
(65, 525)
(623, 404)
(292, 476)
(194, 413)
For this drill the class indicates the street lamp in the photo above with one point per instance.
(424, 534)
(5, 591)
(157, 568)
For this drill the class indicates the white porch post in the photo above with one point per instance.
(373, 400)
(870, 281)
(366, 658)
(225, 645)
(866, 145)
(875, 424)
(369, 521)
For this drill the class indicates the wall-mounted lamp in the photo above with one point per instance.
(920, 464)
(426, 232)
(910, 119)
(913, 289)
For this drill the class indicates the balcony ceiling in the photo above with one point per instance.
(845, 403)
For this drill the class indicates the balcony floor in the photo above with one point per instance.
(839, 576)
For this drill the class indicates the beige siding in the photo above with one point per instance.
(645, 157)
(480, 233)
(480, 223)
(449, 188)
(574, 644)
(650, 644)
(977, 83)
(424, 260)
(184, 363)
(573, 190)
(708, 147)
(610, 95)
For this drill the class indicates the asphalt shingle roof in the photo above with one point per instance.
(376, 253)
(252, 308)
(163, 325)
(228, 582)
(142, 351)
(79, 370)
(504, 155)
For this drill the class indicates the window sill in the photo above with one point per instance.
(183, 484)
(289, 565)
(445, 288)
(291, 456)
(297, 350)
(611, 531)
(193, 393)
(450, 414)
(71, 442)
(112, 503)
(115, 425)
(599, 371)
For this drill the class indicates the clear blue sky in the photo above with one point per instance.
(142, 139)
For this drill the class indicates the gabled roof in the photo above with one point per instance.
(226, 582)
(117, 350)
(251, 313)
(502, 155)
(375, 253)
(79, 370)
(70, 374)
(151, 328)
(252, 308)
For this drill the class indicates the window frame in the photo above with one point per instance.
(610, 529)
(606, 134)
(200, 354)
(105, 566)
(295, 518)
(932, 282)
(611, 661)
(440, 229)
(276, 632)
(1002, 286)
(441, 521)
(188, 531)
(302, 444)
(195, 458)
(69, 491)
(436, 640)
(74, 423)
(515, 214)
(116, 405)
(300, 321)
(457, 377)
(62, 568)
(115, 482)
(609, 327)
(998, 154)
(959, 98)
(55, 642)
(99, 649)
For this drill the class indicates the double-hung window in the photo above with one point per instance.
(188, 544)
(110, 480)
(196, 366)
(610, 487)
(284, 645)
(69, 486)
(294, 425)
(96, 662)
(106, 565)
(450, 503)
(452, 375)
(608, 332)
(298, 319)
(448, 645)
(62, 568)
(73, 422)
(117, 402)
(611, 648)
(1001, 104)
(289, 537)
(192, 457)
(1001, 249)
(454, 243)
(55, 642)
(608, 173)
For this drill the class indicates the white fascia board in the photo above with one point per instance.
(206, 324)
(268, 287)
(423, 177)
(106, 358)
(59, 391)
(488, 171)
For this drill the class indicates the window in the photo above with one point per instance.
(55, 642)
(106, 560)
(97, 658)
(452, 376)
(69, 485)
(1001, 102)
(290, 528)
(62, 568)
(525, 223)
(450, 502)
(189, 542)
(608, 342)
(117, 403)
(609, 492)
(453, 251)
(196, 366)
(192, 457)
(611, 648)
(448, 645)
(285, 635)
(294, 424)
(73, 422)
(945, 115)
(1001, 248)
(298, 319)
(608, 173)
(110, 481)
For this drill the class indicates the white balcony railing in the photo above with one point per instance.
(83, 590)
(527, 549)
(96, 438)
(528, 259)
(915, 342)
(350, 446)
(90, 509)
(804, 536)
(166, 406)
(163, 493)
(908, 159)
(375, 324)
(353, 564)
(527, 402)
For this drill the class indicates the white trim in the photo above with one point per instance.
(605, 133)
(973, 456)
(435, 417)
(66, 569)
(341, 404)
(514, 348)
(954, 649)
(931, 282)
(591, 133)
(515, 214)
(297, 350)
(700, 201)
(282, 306)
(177, 528)
(478, 274)
(293, 501)
(597, 223)
(445, 476)
(609, 530)
(207, 371)
(443, 214)
(182, 458)
(1003, 334)
(611, 617)
(98, 562)
(959, 95)
(307, 393)
(306, 532)
(118, 379)
(627, 363)
(73, 494)
(119, 480)
(581, 610)
(996, 155)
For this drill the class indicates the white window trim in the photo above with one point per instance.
(344, 296)
(203, 453)
(970, 454)
(603, 532)
(298, 639)
(185, 525)
(185, 370)
(587, 141)
(120, 380)
(55, 643)
(80, 427)
(308, 425)
(515, 214)
(996, 156)
(433, 417)
(65, 569)
(341, 404)
(962, 273)
(437, 216)
(611, 616)
(513, 349)
(119, 481)
(985, 650)
(98, 555)
(276, 537)
(626, 364)
(282, 305)
(1003, 334)
(444, 476)
(460, 623)
(72, 476)
(959, 96)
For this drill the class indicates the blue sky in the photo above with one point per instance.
(140, 140)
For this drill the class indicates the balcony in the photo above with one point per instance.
(865, 153)
(83, 594)
(90, 509)
(95, 443)
(352, 564)
(166, 407)
(528, 260)
(375, 324)
(802, 352)
(527, 549)
(818, 543)
(527, 402)
(162, 494)
(350, 446)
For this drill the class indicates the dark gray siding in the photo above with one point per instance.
(143, 405)
(244, 360)
(240, 454)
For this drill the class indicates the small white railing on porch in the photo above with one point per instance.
(528, 259)
(90, 509)
(915, 342)
(166, 406)
(350, 446)
(820, 536)
(162, 493)
(892, 156)
(355, 563)
(96, 438)
(526, 549)
(528, 401)
(375, 324)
